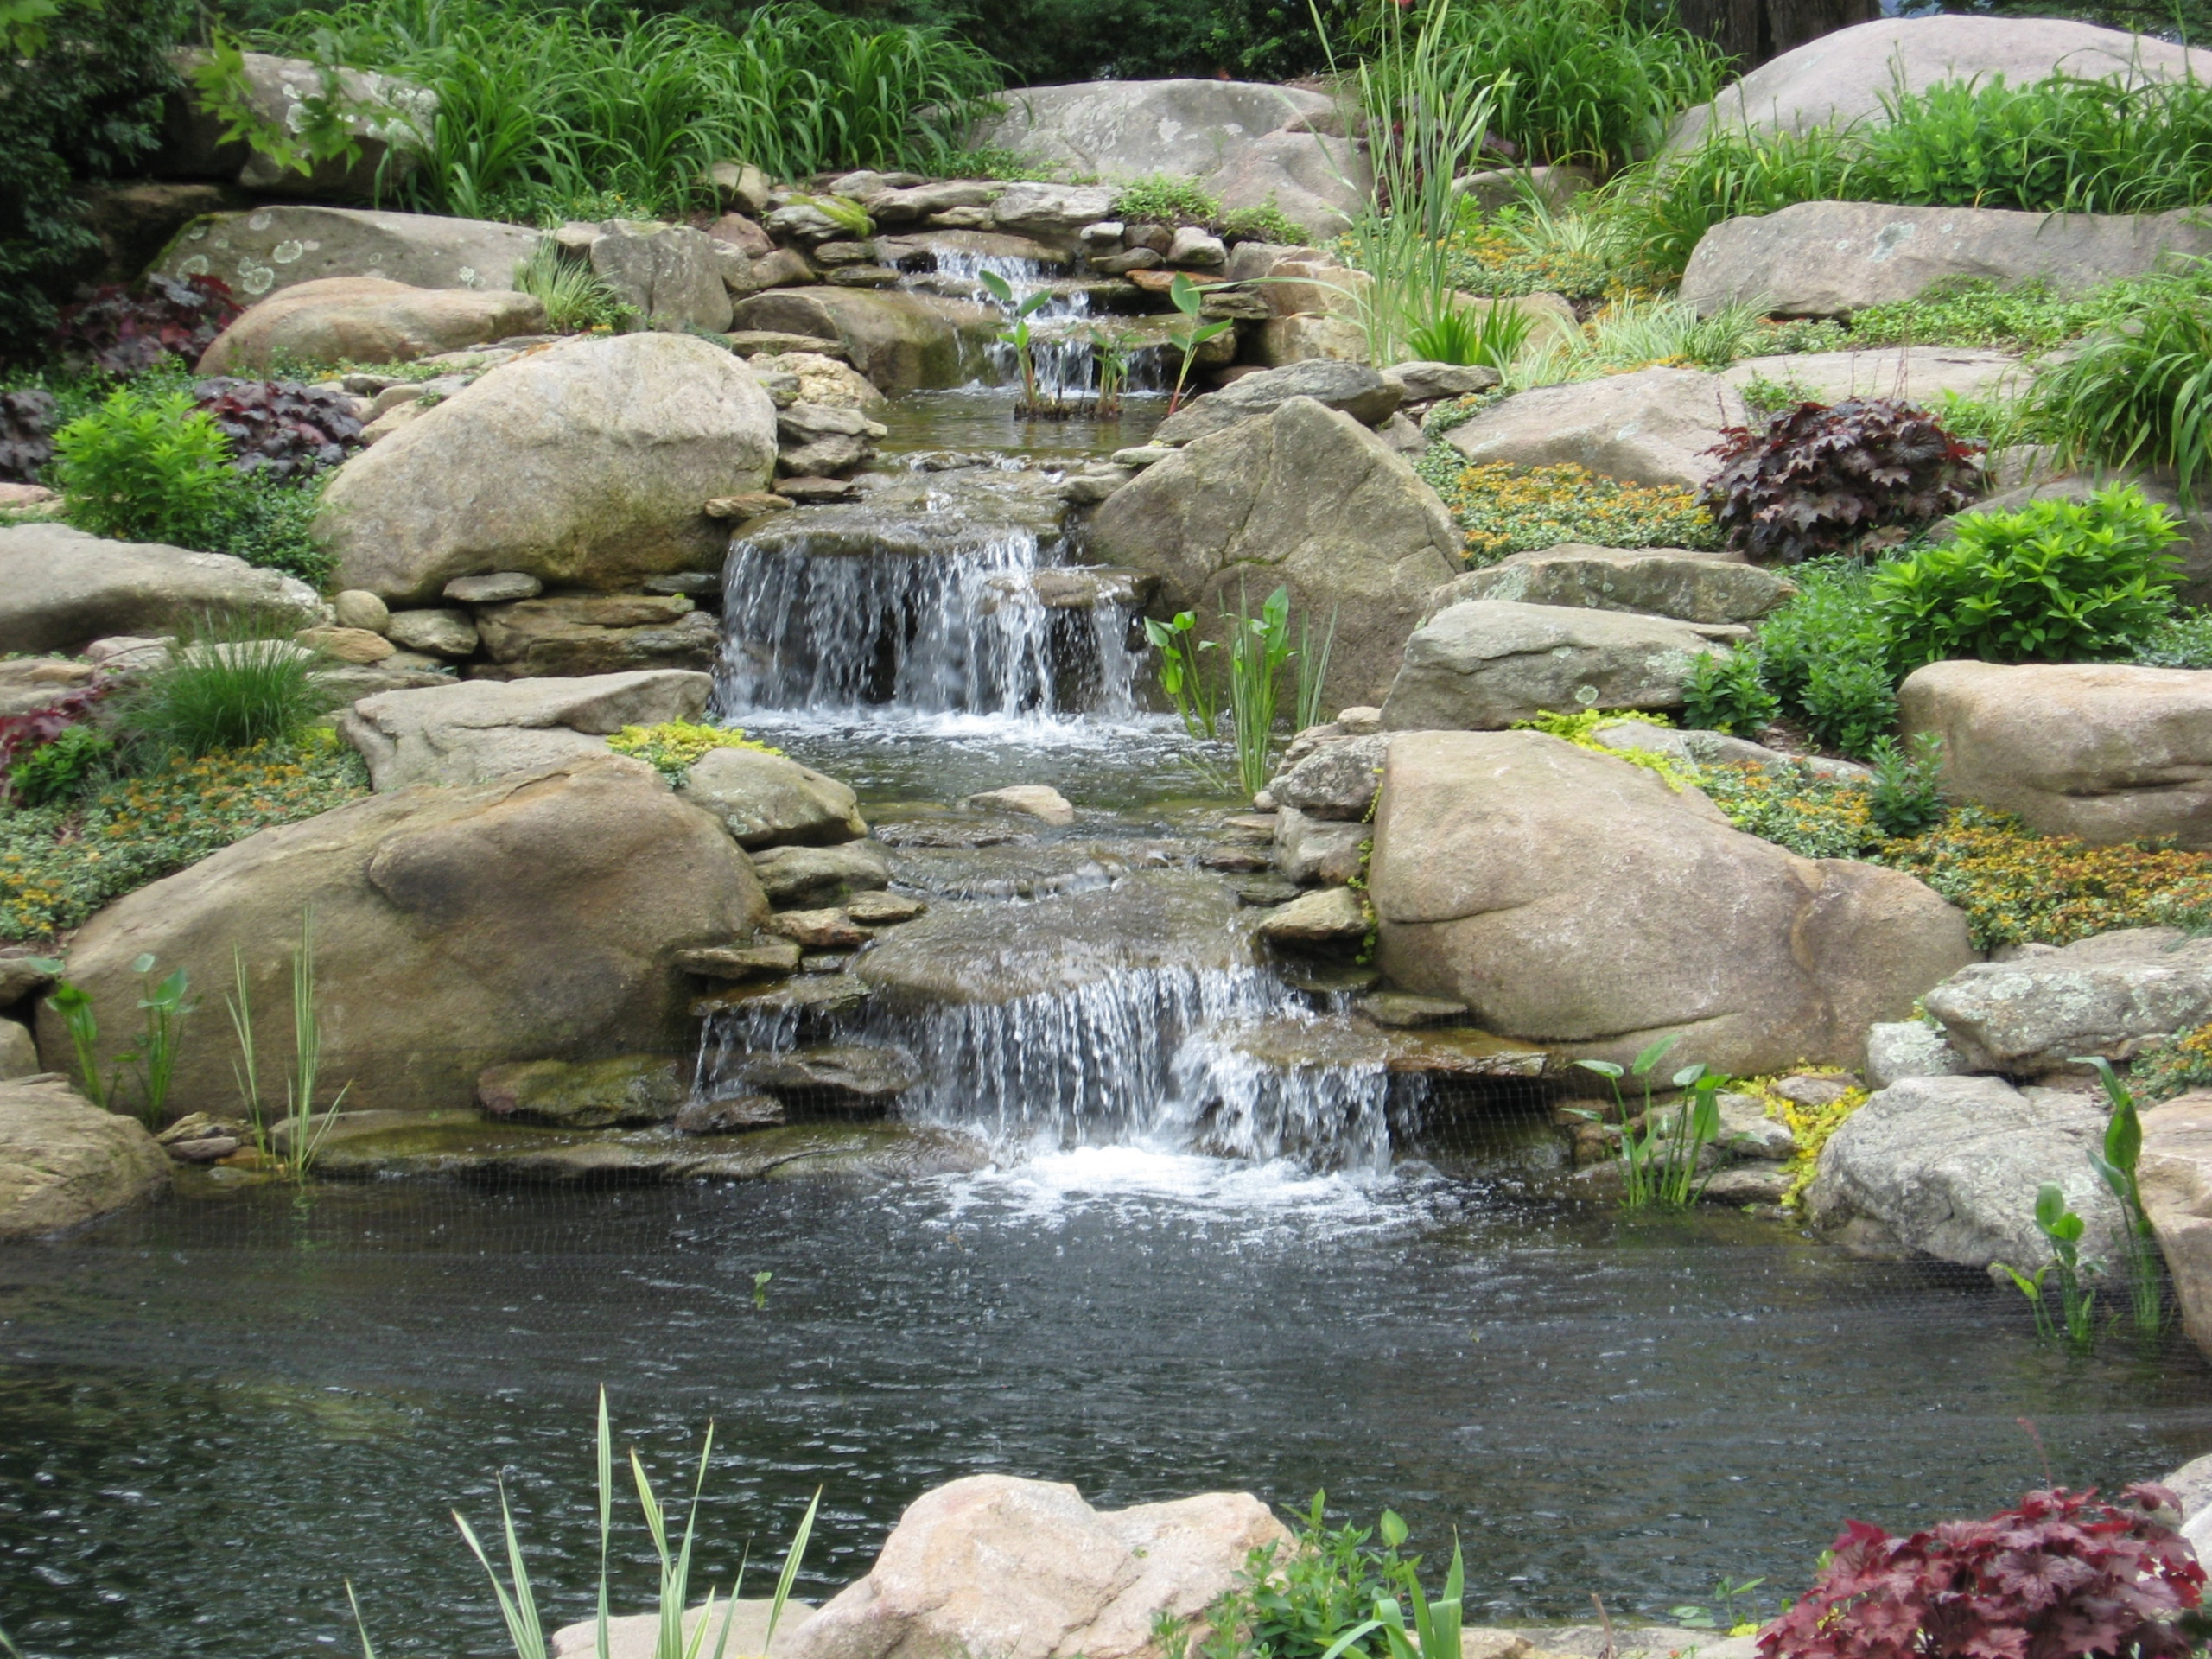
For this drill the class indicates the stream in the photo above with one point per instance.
(1183, 1268)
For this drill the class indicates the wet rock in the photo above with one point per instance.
(1337, 781)
(1663, 580)
(1847, 76)
(833, 1076)
(1746, 1131)
(1754, 1183)
(1051, 213)
(1264, 893)
(63, 1162)
(1354, 388)
(585, 634)
(1304, 496)
(995, 952)
(818, 929)
(500, 588)
(671, 274)
(1950, 1167)
(818, 997)
(2114, 995)
(627, 1089)
(770, 800)
(1197, 249)
(535, 917)
(883, 909)
(200, 1139)
(1832, 258)
(763, 959)
(2104, 751)
(1024, 1569)
(59, 589)
(584, 465)
(810, 877)
(365, 320)
(1482, 664)
(1575, 900)
(823, 381)
(1310, 850)
(910, 204)
(816, 439)
(957, 832)
(1401, 1009)
(473, 731)
(900, 341)
(437, 633)
(729, 1116)
(1654, 427)
(1332, 919)
(1899, 1049)
(270, 249)
(1039, 801)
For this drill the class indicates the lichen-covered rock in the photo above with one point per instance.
(672, 276)
(64, 1162)
(268, 248)
(1338, 780)
(1576, 901)
(1484, 664)
(367, 320)
(2113, 995)
(1024, 1569)
(1950, 1167)
(387, 118)
(588, 465)
(531, 918)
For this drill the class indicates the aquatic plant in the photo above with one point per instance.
(1661, 1147)
(2061, 1228)
(2063, 1573)
(517, 1601)
(1016, 335)
(74, 1004)
(1182, 671)
(2114, 1162)
(1313, 659)
(1187, 335)
(165, 1010)
(302, 1083)
(1259, 645)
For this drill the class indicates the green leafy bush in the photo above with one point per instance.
(1849, 703)
(146, 468)
(80, 90)
(1908, 794)
(2181, 640)
(2057, 581)
(2140, 394)
(55, 771)
(1728, 694)
(1819, 479)
(1266, 223)
(234, 687)
(1826, 654)
(60, 863)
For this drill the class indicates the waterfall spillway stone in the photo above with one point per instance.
(923, 596)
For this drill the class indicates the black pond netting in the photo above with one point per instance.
(215, 1410)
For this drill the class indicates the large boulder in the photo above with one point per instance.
(61, 588)
(901, 341)
(1352, 387)
(2175, 1174)
(674, 277)
(64, 1162)
(268, 249)
(1571, 899)
(1249, 144)
(1950, 1167)
(2114, 994)
(1655, 426)
(367, 320)
(1843, 77)
(1690, 587)
(1486, 663)
(1024, 1569)
(533, 918)
(1921, 374)
(770, 800)
(1304, 496)
(588, 465)
(390, 121)
(1831, 258)
(473, 731)
(2105, 751)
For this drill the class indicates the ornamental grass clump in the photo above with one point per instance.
(2139, 393)
(2064, 1573)
(1851, 477)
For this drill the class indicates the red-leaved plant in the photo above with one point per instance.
(2063, 1576)
(280, 429)
(113, 331)
(21, 734)
(1816, 478)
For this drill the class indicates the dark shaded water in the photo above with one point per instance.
(213, 1413)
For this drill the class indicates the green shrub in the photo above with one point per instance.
(60, 863)
(1166, 200)
(2181, 640)
(80, 91)
(1849, 703)
(272, 525)
(1907, 796)
(1728, 694)
(2057, 581)
(1265, 223)
(146, 468)
(1826, 654)
(55, 771)
(235, 686)
(542, 108)
(2141, 394)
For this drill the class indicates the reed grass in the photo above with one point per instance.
(543, 107)
(2141, 394)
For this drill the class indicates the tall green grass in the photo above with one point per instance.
(545, 109)
(2059, 145)
(2141, 394)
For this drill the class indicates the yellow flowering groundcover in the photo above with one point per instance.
(674, 747)
(60, 863)
(1505, 509)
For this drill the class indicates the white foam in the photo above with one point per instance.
(1051, 1186)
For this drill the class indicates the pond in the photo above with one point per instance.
(216, 1411)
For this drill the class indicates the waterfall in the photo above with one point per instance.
(1141, 1056)
(1063, 331)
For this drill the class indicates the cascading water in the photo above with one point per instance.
(1064, 335)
